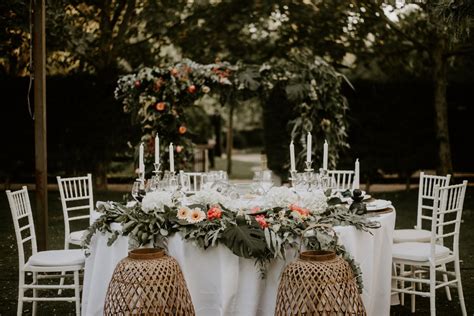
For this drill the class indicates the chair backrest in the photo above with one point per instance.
(76, 196)
(23, 222)
(446, 219)
(426, 196)
(342, 179)
(195, 180)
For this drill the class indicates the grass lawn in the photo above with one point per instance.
(405, 202)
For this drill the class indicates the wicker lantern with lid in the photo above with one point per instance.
(148, 282)
(318, 283)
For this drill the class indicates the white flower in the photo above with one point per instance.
(206, 89)
(156, 201)
(183, 212)
(315, 201)
(195, 216)
(280, 197)
(207, 197)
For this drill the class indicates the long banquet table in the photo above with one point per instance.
(221, 283)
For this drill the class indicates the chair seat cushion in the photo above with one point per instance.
(55, 258)
(418, 251)
(408, 235)
(76, 237)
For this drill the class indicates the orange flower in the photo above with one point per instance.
(192, 88)
(261, 221)
(174, 72)
(214, 213)
(255, 209)
(182, 129)
(160, 106)
(302, 211)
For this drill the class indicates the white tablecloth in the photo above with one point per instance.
(221, 283)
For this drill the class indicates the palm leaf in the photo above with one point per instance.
(245, 240)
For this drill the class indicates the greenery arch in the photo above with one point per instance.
(305, 87)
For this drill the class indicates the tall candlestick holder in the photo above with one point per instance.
(292, 177)
(157, 170)
(308, 166)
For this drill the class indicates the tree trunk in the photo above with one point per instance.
(440, 81)
(101, 176)
(230, 138)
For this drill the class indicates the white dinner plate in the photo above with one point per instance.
(378, 205)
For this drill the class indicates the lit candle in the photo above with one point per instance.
(308, 147)
(157, 149)
(355, 184)
(171, 158)
(141, 163)
(292, 157)
(325, 155)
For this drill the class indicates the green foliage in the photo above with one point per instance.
(245, 241)
(259, 234)
(157, 99)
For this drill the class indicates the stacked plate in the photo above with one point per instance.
(378, 205)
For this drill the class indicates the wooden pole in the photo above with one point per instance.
(230, 138)
(39, 88)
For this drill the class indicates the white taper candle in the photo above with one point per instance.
(356, 184)
(292, 157)
(141, 162)
(325, 155)
(308, 147)
(171, 158)
(157, 149)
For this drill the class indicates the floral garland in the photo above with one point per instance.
(209, 218)
(157, 97)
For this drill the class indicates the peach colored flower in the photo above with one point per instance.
(183, 213)
(195, 216)
(179, 149)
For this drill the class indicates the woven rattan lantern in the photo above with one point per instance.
(318, 283)
(148, 282)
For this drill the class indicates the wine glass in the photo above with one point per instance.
(173, 184)
(136, 190)
(185, 180)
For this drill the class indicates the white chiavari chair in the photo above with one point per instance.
(443, 248)
(41, 265)
(193, 180)
(422, 233)
(77, 201)
(343, 180)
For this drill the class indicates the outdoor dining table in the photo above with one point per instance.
(221, 283)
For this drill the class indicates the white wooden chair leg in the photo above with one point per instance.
(61, 281)
(432, 291)
(445, 279)
(21, 291)
(457, 270)
(77, 292)
(402, 284)
(413, 287)
(35, 304)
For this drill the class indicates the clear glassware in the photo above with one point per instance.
(136, 191)
(185, 182)
(172, 184)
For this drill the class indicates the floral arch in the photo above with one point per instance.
(307, 87)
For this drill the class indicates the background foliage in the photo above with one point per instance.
(386, 43)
